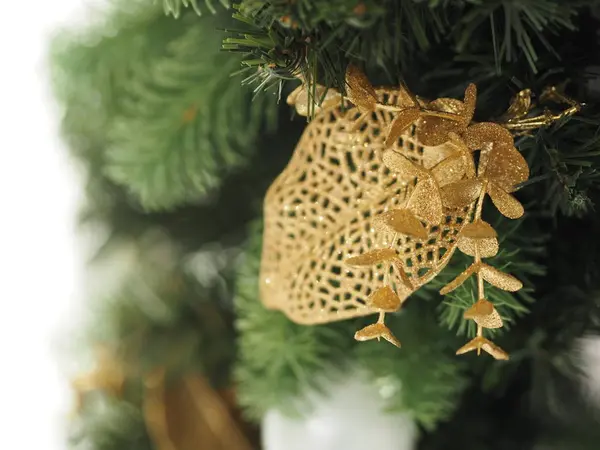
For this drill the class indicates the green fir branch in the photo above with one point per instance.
(521, 250)
(564, 160)
(174, 7)
(279, 360)
(108, 423)
(423, 379)
(157, 109)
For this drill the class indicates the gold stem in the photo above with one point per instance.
(394, 240)
(381, 317)
(425, 112)
(532, 123)
(479, 207)
(391, 108)
(441, 114)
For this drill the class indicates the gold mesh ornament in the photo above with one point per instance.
(321, 211)
(379, 194)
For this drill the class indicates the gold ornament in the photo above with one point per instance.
(187, 415)
(379, 194)
(107, 376)
(337, 199)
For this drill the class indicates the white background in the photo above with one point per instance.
(39, 267)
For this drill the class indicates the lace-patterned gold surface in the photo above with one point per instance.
(319, 212)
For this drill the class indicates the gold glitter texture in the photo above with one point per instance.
(481, 343)
(433, 130)
(384, 299)
(484, 314)
(400, 221)
(426, 201)
(405, 118)
(377, 256)
(359, 89)
(399, 163)
(479, 135)
(462, 193)
(500, 279)
(376, 331)
(338, 199)
(506, 204)
(379, 195)
(459, 280)
(478, 238)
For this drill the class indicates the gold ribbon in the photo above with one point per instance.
(187, 415)
(193, 398)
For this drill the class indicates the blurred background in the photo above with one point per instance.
(41, 262)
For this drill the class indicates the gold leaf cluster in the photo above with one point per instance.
(455, 182)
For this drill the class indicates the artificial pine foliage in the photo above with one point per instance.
(175, 111)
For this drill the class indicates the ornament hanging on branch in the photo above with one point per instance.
(382, 188)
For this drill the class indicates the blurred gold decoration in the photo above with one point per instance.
(190, 114)
(381, 190)
(107, 376)
(186, 414)
(189, 415)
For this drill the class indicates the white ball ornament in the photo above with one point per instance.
(348, 415)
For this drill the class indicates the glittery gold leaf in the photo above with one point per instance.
(399, 163)
(404, 119)
(481, 343)
(470, 101)
(305, 101)
(492, 349)
(400, 221)
(449, 170)
(481, 307)
(462, 193)
(384, 299)
(507, 167)
(406, 287)
(459, 280)
(490, 321)
(462, 149)
(486, 247)
(377, 256)
(500, 279)
(505, 203)
(359, 89)
(484, 314)
(434, 130)
(426, 201)
(478, 238)
(478, 229)
(480, 134)
(376, 331)
(473, 344)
